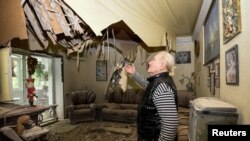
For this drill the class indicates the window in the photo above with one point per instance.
(17, 69)
(43, 79)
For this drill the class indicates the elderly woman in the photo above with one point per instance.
(157, 113)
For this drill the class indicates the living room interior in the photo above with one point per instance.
(67, 55)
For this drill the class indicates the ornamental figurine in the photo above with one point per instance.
(31, 91)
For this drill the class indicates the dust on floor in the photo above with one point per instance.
(92, 131)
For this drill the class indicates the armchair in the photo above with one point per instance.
(82, 108)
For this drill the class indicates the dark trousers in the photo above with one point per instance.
(146, 139)
(150, 139)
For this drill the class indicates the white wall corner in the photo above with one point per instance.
(184, 40)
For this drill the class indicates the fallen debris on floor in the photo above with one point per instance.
(92, 131)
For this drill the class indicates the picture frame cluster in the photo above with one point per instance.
(213, 76)
(231, 13)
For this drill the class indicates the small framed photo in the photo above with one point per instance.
(232, 66)
(101, 70)
(217, 82)
(208, 71)
(212, 84)
(212, 67)
(198, 80)
(217, 70)
(208, 82)
(183, 57)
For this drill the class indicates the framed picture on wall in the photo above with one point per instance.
(208, 71)
(208, 82)
(183, 57)
(231, 19)
(101, 70)
(212, 70)
(212, 34)
(232, 66)
(198, 80)
(217, 82)
(217, 70)
(212, 84)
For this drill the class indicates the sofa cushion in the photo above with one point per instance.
(91, 97)
(77, 97)
(184, 120)
(139, 95)
(115, 95)
(183, 111)
(82, 97)
(128, 106)
(82, 111)
(111, 105)
(132, 96)
(129, 96)
(182, 133)
(118, 112)
(184, 98)
(82, 106)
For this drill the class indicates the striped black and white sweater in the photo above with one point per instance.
(163, 98)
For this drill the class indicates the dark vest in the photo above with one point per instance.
(148, 119)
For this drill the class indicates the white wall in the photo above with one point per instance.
(100, 87)
(184, 43)
(201, 71)
(238, 95)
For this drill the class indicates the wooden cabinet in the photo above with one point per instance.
(49, 116)
(9, 113)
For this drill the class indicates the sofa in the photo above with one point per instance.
(82, 107)
(121, 106)
(184, 98)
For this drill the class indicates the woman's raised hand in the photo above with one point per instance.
(129, 68)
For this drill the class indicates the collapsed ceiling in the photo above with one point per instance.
(78, 24)
(149, 19)
(56, 21)
(12, 21)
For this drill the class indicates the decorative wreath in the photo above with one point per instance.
(32, 62)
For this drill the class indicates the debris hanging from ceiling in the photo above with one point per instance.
(54, 20)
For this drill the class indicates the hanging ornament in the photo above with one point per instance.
(31, 91)
(31, 62)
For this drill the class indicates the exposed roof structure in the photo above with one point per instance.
(149, 19)
(84, 23)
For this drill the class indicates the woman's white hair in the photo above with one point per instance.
(169, 61)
